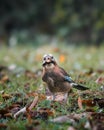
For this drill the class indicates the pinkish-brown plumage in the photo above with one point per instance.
(56, 78)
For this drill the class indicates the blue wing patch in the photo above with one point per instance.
(67, 78)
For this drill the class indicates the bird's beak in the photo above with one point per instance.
(46, 62)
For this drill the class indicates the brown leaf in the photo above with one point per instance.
(4, 79)
(45, 112)
(8, 115)
(42, 97)
(80, 103)
(35, 94)
(85, 102)
(6, 96)
(3, 126)
(35, 101)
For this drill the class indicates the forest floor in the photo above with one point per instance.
(21, 86)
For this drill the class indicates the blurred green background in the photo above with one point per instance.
(48, 21)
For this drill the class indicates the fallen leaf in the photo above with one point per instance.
(8, 115)
(42, 97)
(33, 94)
(80, 103)
(3, 126)
(44, 113)
(4, 79)
(6, 96)
(35, 101)
(86, 102)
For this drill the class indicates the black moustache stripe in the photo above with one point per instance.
(48, 63)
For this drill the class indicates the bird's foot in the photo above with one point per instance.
(60, 97)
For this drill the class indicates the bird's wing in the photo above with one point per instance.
(66, 76)
(69, 79)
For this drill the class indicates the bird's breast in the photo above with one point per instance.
(56, 83)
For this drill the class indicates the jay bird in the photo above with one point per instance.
(56, 78)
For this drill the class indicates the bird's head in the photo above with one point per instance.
(48, 61)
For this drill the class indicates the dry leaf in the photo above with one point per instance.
(45, 112)
(33, 94)
(4, 79)
(80, 103)
(85, 102)
(3, 126)
(8, 115)
(35, 101)
(6, 96)
(42, 97)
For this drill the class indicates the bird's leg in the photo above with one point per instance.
(65, 97)
(53, 97)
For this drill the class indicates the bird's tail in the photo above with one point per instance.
(78, 86)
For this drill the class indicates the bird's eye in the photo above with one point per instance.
(44, 58)
(52, 58)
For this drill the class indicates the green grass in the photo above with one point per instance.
(79, 61)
